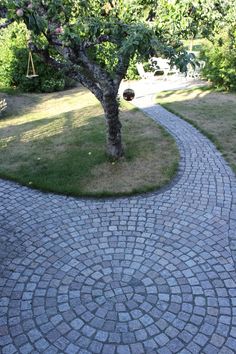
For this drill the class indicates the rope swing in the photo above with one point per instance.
(31, 73)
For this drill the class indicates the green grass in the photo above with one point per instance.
(9, 90)
(212, 112)
(56, 142)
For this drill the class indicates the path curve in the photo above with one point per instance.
(147, 274)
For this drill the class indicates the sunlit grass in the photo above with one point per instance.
(211, 112)
(56, 142)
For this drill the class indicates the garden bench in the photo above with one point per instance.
(162, 65)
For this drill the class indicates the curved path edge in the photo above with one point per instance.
(140, 275)
(221, 170)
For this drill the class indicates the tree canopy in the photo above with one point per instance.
(93, 41)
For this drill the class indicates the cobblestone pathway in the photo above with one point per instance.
(147, 274)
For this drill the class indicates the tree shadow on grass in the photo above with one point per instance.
(61, 153)
(27, 103)
(49, 126)
(57, 151)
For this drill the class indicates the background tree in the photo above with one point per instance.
(13, 63)
(93, 41)
(220, 53)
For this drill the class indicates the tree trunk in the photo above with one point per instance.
(114, 143)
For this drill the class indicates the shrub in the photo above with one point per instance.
(52, 85)
(132, 73)
(13, 64)
(220, 57)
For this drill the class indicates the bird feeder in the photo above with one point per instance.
(31, 73)
(128, 94)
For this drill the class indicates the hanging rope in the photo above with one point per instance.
(30, 68)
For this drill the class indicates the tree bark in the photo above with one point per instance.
(114, 141)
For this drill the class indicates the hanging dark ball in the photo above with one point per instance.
(128, 94)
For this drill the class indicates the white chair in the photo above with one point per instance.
(162, 65)
(144, 74)
(195, 71)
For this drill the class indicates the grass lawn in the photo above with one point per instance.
(211, 112)
(56, 142)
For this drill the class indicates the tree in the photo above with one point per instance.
(13, 63)
(220, 53)
(93, 42)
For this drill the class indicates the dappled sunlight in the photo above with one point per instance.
(63, 150)
(45, 131)
(193, 95)
(28, 107)
(80, 118)
(187, 95)
(4, 142)
(43, 113)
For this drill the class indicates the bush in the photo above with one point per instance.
(14, 60)
(52, 85)
(220, 57)
(132, 73)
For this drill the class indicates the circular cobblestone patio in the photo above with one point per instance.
(146, 274)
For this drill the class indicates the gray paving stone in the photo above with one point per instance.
(101, 336)
(137, 348)
(25, 349)
(72, 349)
(34, 334)
(61, 343)
(9, 349)
(77, 323)
(161, 339)
(123, 349)
(231, 343)
(108, 349)
(41, 344)
(96, 347)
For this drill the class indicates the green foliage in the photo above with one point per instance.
(187, 18)
(13, 64)
(220, 57)
(110, 34)
(52, 85)
(11, 39)
(132, 73)
(113, 32)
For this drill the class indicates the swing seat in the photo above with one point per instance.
(31, 73)
(31, 76)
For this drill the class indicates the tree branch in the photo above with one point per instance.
(7, 23)
(70, 69)
(95, 69)
(101, 39)
(121, 69)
